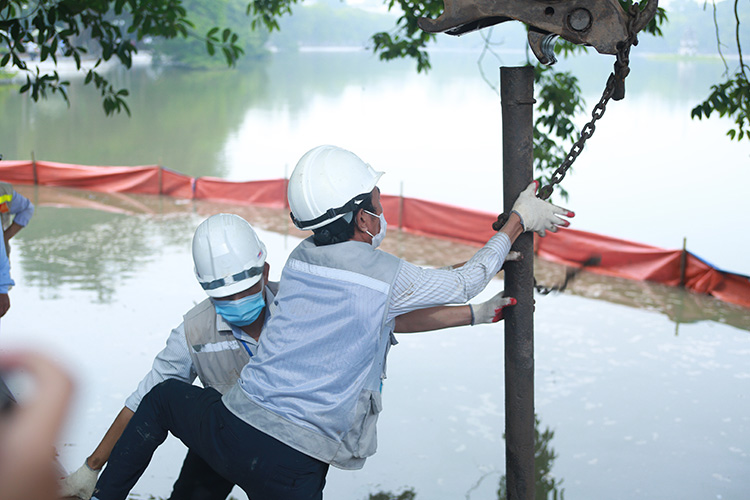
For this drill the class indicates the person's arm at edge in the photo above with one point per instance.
(11, 230)
(101, 454)
(5, 281)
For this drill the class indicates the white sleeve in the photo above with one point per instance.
(417, 287)
(173, 361)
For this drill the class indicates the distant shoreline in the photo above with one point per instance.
(65, 66)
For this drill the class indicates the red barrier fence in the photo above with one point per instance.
(620, 258)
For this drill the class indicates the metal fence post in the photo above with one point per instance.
(517, 100)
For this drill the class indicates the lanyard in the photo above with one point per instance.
(246, 348)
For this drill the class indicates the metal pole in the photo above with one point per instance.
(517, 100)
(683, 262)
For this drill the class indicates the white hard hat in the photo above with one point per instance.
(227, 254)
(327, 183)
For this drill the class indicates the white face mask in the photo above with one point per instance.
(377, 239)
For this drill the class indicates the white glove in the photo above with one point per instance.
(79, 484)
(538, 215)
(492, 310)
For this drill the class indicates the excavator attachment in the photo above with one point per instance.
(602, 24)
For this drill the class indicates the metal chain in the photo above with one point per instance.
(587, 131)
(615, 88)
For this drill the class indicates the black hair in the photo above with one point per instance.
(340, 230)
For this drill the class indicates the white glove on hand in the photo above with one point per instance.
(79, 484)
(492, 310)
(538, 215)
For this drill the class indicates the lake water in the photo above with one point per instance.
(649, 174)
(643, 387)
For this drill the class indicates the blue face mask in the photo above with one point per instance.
(240, 312)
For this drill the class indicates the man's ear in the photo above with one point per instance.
(266, 269)
(360, 220)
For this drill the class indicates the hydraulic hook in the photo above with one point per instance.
(602, 24)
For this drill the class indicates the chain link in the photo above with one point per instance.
(586, 133)
(615, 88)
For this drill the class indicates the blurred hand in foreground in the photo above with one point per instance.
(29, 430)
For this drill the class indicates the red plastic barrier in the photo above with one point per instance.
(271, 193)
(626, 259)
(176, 184)
(17, 172)
(143, 180)
(446, 221)
(733, 288)
(571, 247)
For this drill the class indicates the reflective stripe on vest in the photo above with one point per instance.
(218, 357)
(6, 197)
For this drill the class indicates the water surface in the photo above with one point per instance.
(641, 402)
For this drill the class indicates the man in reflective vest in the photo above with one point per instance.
(214, 342)
(310, 398)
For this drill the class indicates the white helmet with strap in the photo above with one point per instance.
(327, 183)
(228, 255)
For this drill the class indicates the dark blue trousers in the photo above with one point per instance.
(198, 481)
(265, 468)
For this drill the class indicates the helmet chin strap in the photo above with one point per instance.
(348, 207)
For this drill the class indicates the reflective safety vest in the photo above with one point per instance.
(315, 381)
(218, 357)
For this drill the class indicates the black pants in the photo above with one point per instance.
(265, 468)
(198, 481)
(7, 401)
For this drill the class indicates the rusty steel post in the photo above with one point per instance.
(683, 262)
(517, 99)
